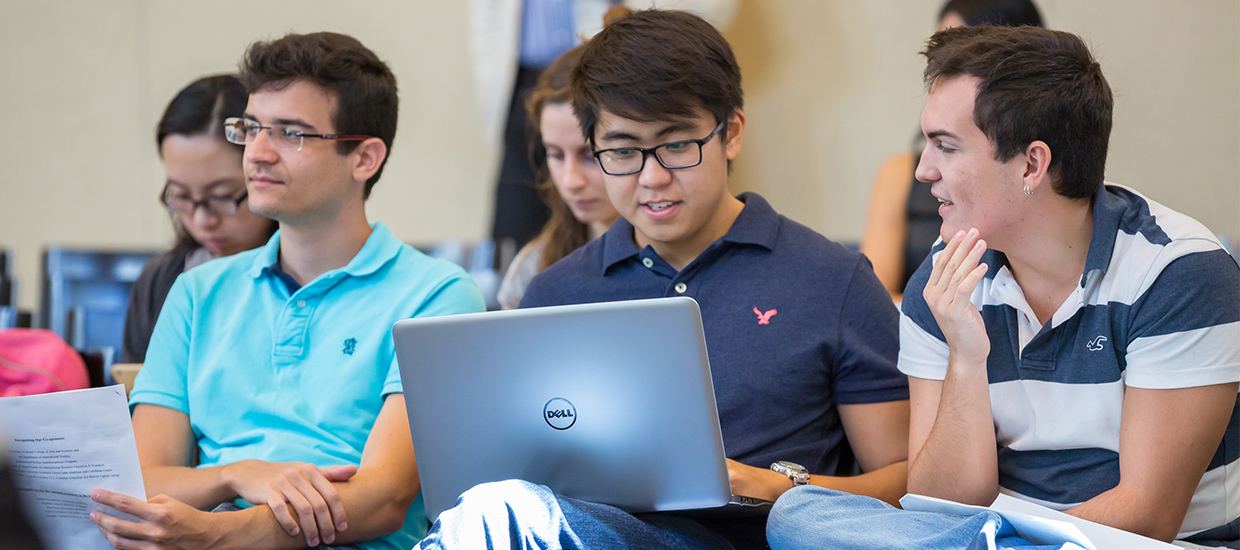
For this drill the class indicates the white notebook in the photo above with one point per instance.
(1041, 525)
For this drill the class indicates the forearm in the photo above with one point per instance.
(958, 460)
(1124, 508)
(373, 508)
(886, 484)
(202, 488)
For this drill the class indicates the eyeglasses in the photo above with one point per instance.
(674, 155)
(216, 206)
(244, 132)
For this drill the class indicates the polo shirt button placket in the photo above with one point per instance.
(681, 288)
(301, 304)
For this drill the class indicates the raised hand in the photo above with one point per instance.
(955, 275)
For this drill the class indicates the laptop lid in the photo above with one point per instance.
(609, 402)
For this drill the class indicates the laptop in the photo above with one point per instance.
(609, 403)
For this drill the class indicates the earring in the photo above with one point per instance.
(1028, 191)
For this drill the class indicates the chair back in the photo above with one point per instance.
(86, 292)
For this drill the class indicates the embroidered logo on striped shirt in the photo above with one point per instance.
(1096, 343)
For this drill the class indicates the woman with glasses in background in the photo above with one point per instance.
(205, 194)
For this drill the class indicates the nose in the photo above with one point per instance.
(926, 170)
(653, 174)
(575, 173)
(259, 150)
(204, 218)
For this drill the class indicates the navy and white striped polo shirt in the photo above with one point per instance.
(1158, 307)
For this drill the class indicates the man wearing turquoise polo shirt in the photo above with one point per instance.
(273, 370)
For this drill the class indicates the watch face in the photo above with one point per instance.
(792, 466)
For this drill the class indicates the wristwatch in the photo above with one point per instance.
(796, 472)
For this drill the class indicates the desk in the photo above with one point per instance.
(125, 373)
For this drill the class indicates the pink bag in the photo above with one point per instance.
(34, 361)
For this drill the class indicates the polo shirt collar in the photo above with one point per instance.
(380, 248)
(1109, 209)
(757, 224)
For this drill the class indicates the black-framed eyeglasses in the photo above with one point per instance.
(244, 132)
(186, 205)
(674, 155)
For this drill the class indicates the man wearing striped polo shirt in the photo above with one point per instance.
(1071, 342)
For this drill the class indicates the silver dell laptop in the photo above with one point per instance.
(609, 403)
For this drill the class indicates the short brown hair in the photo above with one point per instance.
(1036, 84)
(655, 64)
(363, 85)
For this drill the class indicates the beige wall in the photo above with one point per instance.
(832, 88)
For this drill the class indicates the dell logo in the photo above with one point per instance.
(560, 413)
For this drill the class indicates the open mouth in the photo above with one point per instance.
(657, 206)
(944, 201)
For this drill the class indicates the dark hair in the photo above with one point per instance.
(563, 233)
(363, 85)
(1009, 13)
(199, 109)
(1035, 84)
(656, 64)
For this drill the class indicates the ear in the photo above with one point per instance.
(367, 158)
(736, 133)
(1037, 165)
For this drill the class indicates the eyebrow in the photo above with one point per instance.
(669, 129)
(282, 121)
(941, 133)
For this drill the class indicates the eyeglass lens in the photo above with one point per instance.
(243, 132)
(185, 205)
(679, 154)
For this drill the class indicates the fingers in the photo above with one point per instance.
(112, 524)
(335, 507)
(953, 264)
(280, 509)
(305, 515)
(965, 290)
(338, 473)
(123, 503)
(968, 264)
(120, 533)
(936, 272)
(318, 492)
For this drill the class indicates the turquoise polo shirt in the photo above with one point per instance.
(268, 374)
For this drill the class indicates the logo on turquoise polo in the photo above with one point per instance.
(350, 345)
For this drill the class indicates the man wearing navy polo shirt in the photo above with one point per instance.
(802, 337)
(273, 370)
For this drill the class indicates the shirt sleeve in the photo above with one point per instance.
(163, 378)
(1185, 328)
(865, 362)
(456, 294)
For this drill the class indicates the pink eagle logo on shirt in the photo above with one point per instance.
(764, 318)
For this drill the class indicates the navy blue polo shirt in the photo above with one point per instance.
(794, 323)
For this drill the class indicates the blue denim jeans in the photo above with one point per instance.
(230, 507)
(814, 517)
(517, 514)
